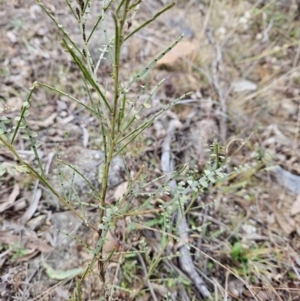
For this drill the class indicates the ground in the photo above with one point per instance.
(240, 62)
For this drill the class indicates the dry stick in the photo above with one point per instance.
(145, 279)
(185, 259)
(143, 226)
(215, 78)
(172, 266)
(141, 260)
(266, 32)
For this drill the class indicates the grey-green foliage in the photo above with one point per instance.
(119, 123)
(119, 120)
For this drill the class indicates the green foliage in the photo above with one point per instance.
(119, 125)
(19, 251)
(119, 120)
(237, 251)
(59, 274)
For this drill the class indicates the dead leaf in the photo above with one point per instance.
(184, 49)
(35, 243)
(14, 194)
(65, 120)
(184, 114)
(32, 242)
(60, 274)
(45, 123)
(32, 207)
(120, 190)
(110, 245)
(243, 85)
(275, 134)
(36, 222)
(31, 254)
(178, 83)
(8, 238)
(286, 224)
(160, 289)
(296, 206)
(208, 129)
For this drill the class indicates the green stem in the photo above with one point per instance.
(112, 143)
(135, 4)
(24, 109)
(67, 95)
(33, 172)
(58, 25)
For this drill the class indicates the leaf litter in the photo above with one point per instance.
(262, 110)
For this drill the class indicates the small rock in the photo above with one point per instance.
(12, 37)
(235, 287)
(61, 105)
(249, 229)
(243, 85)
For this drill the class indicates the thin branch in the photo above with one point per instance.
(185, 258)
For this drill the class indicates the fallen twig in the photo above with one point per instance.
(185, 259)
(216, 83)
